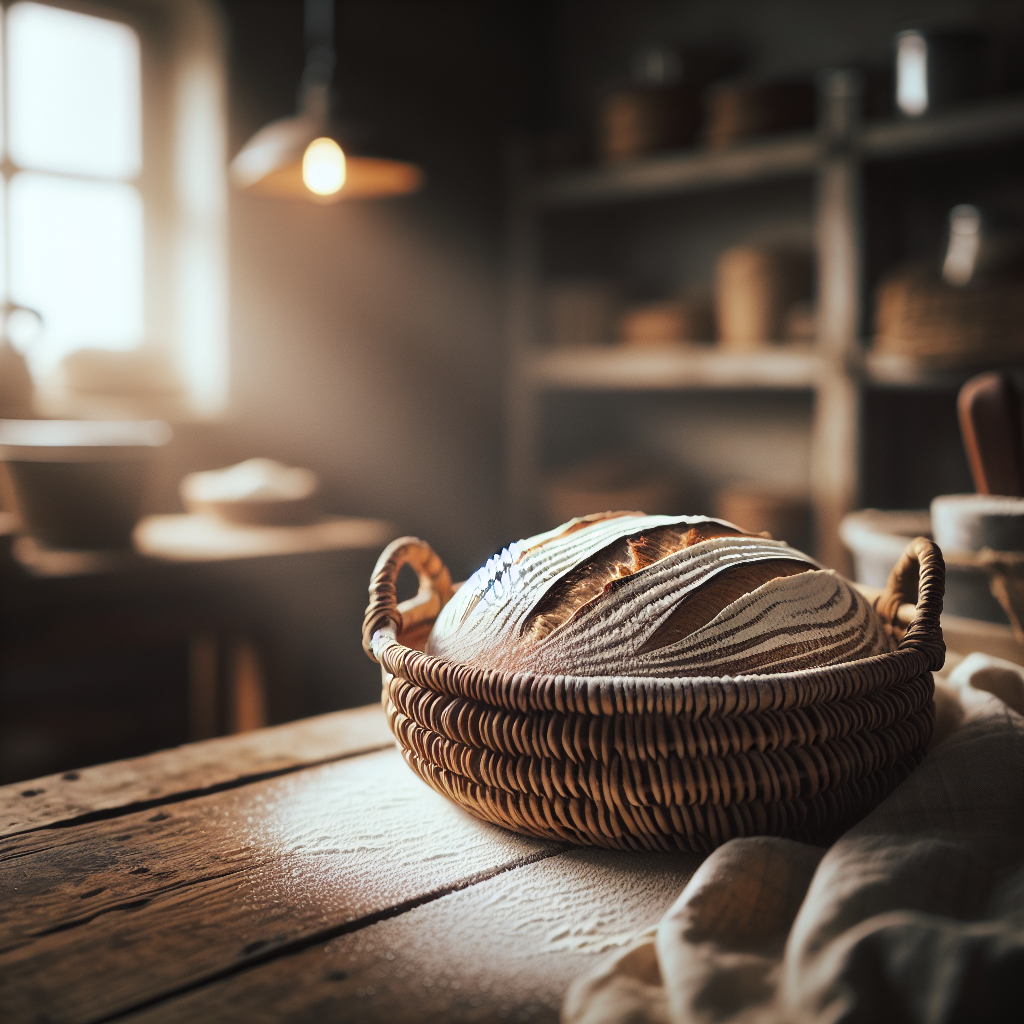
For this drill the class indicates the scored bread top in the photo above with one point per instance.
(629, 594)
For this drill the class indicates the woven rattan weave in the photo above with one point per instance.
(659, 764)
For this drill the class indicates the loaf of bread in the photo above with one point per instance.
(623, 593)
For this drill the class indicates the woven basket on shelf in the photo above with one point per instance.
(920, 317)
(659, 764)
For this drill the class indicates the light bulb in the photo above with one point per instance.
(964, 244)
(912, 73)
(323, 167)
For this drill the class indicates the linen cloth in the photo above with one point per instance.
(916, 914)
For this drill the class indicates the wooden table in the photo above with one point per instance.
(297, 873)
(206, 628)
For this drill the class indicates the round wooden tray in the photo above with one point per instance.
(659, 764)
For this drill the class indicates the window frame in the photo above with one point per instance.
(181, 42)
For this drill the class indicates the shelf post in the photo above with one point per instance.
(522, 400)
(835, 451)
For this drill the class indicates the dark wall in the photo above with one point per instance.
(366, 336)
(366, 344)
(595, 39)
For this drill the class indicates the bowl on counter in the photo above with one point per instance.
(257, 492)
(79, 483)
(877, 537)
(961, 525)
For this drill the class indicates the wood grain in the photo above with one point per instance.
(108, 915)
(504, 949)
(191, 769)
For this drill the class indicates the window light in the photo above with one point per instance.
(76, 257)
(116, 251)
(74, 93)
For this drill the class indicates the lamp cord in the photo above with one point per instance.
(320, 53)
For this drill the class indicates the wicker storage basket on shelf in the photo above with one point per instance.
(921, 318)
(659, 763)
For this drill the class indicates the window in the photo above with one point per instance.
(114, 189)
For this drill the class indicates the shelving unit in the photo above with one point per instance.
(610, 369)
(835, 370)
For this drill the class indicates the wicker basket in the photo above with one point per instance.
(659, 764)
(920, 317)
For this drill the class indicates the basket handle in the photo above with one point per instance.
(918, 577)
(384, 611)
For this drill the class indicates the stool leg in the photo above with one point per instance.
(247, 695)
(204, 687)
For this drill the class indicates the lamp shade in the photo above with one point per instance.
(299, 157)
(270, 164)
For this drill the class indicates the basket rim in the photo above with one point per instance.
(920, 651)
(709, 696)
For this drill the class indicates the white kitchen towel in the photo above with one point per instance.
(914, 915)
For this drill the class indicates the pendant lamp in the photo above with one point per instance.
(300, 157)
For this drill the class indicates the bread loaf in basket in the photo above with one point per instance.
(657, 682)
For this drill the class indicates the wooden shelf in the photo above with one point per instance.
(976, 125)
(622, 369)
(694, 170)
(835, 370)
(687, 171)
(902, 371)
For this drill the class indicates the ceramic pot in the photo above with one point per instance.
(79, 484)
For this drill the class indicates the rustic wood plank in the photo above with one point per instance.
(111, 914)
(191, 769)
(504, 949)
